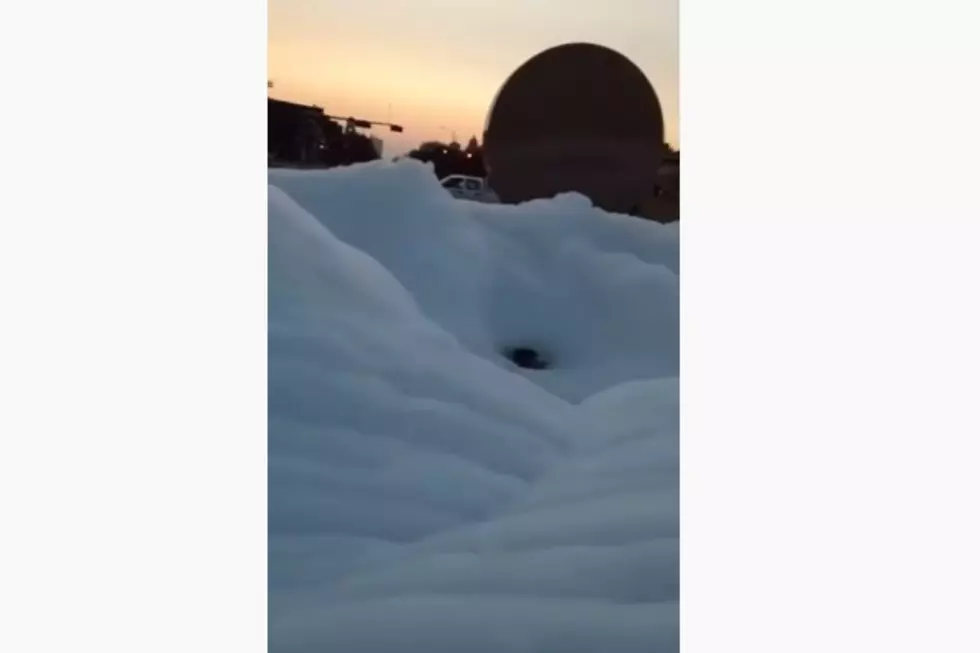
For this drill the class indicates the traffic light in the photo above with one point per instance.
(396, 128)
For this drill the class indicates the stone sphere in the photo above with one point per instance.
(576, 117)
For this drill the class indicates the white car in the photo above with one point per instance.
(470, 188)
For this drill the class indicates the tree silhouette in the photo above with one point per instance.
(450, 159)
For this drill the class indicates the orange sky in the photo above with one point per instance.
(437, 64)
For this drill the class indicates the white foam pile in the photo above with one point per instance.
(427, 495)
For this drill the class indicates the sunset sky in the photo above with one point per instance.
(435, 65)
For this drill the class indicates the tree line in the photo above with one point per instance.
(452, 158)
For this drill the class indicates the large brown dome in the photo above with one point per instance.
(576, 117)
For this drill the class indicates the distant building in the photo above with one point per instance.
(299, 133)
(304, 136)
(378, 145)
(664, 206)
(668, 175)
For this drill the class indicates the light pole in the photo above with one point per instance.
(452, 132)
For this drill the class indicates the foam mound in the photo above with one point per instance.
(427, 494)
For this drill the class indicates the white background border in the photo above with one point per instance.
(133, 286)
(829, 336)
(829, 347)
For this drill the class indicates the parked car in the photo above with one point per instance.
(470, 188)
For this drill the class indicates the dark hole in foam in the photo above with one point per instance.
(527, 358)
